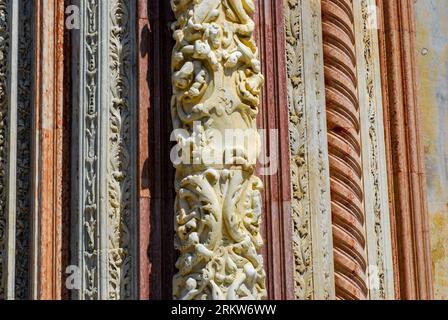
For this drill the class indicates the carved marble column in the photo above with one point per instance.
(217, 82)
(359, 193)
(344, 141)
(310, 208)
(105, 110)
(16, 72)
(144, 170)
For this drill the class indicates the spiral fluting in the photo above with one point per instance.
(344, 140)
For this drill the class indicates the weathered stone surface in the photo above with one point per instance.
(407, 182)
(344, 148)
(374, 165)
(216, 88)
(432, 63)
(98, 150)
(105, 246)
(310, 183)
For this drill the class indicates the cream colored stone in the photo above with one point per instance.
(216, 84)
(310, 181)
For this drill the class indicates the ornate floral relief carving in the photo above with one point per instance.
(344, 140)
(301, 215)
(373, 145)
(325, 243)
(25, 96)
(376, 202)
(91, 109)
(121, 203)
(107, 207)
(312, 243)
(4, 106)
(217, 82)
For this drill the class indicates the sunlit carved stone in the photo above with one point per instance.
(106, 240)
(217, 82)
(310, 180)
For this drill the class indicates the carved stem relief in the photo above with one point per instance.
(107, 252)
(90, 208)
(312, 242)
(379, 245)
(217, 82)
(122, 153)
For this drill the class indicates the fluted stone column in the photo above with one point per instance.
(47, 152)
(217, 82)
(380, 269)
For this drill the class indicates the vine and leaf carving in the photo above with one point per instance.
(300, 206)
(217, 82)
(120, 185)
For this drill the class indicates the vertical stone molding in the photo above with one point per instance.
(409, 217)
(217, 81)
(431, 52)
(144, 170)
(310, 203)
(376, 204)
(344, 144)
(24, 135)
(105, 107)
(358, 166)
(47, 155)
(157, 192)
(274, 163)
(16, 87)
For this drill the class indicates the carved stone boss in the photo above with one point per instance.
(216, 82)
(15, 146)
(105, 244)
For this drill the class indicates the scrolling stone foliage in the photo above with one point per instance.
(217, 82)
(106, 248)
